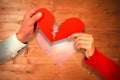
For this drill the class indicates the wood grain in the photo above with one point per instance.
(101, 18)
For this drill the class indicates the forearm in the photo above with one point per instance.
(105, 66)
(10, 48)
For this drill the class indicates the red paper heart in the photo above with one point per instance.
(45, 23)
(70, 26)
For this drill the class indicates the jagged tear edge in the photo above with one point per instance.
(55, 30)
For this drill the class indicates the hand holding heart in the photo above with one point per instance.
(85, 41)
(28, 29)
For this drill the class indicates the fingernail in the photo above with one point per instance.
(39, 14)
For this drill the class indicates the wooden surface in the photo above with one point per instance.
(102, 20)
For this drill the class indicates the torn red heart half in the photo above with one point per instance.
(67, 28)
(70, 26)
(45, 23)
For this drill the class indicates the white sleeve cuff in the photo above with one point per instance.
(14, 45)
(10, 47)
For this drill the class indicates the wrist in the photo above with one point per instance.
(21, 37)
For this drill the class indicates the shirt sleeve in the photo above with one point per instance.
(103, 65)
(10, 48)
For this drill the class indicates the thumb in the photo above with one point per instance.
(36, 17)
(87, 54)
(74, 35)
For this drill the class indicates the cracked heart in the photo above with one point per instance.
(54, 40)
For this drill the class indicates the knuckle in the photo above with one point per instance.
(89, 46)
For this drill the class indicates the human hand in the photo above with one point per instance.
(84, 41)
(28, 29)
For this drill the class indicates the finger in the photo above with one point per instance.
(85, 38)
(31, 13)
(74, 35)
(79, 35)
(84, 46)
(77, 42)
(85, 34)
(36, 17)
